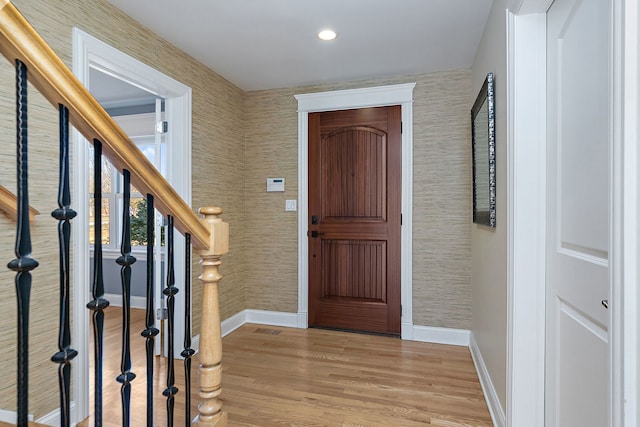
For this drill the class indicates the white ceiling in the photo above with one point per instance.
(112, 92)
(263, 44)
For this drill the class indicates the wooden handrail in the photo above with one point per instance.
(9, 205)
(47, 72)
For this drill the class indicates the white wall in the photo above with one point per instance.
(489, 246)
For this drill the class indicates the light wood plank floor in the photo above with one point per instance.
(277, 376)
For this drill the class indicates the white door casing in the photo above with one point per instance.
(157, 268)
(526, 157)
(90, 52)
(578, 280)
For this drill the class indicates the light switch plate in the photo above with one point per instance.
(290, 205)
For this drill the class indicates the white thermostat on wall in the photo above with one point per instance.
(275, 184)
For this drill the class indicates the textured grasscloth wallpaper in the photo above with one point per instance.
(218, 170)
(442, 198)
(271, 236)
(442, 201)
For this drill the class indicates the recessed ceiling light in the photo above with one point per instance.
(327, 35)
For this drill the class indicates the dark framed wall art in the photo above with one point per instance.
(484, 155)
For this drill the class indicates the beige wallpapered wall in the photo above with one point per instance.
(218, 170)
(442, 199)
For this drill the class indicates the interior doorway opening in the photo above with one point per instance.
(93, 59)
(138, 112)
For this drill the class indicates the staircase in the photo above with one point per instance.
(39, 67)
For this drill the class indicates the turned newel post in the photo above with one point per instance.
(210, 406)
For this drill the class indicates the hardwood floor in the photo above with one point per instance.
(277, 376)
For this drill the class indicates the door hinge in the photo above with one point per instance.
(162, 127)
(400, 219)
(162, 314)
(400, 310)
(401, 128)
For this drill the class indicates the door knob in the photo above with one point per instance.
(605, 303)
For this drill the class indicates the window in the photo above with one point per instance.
(112, 197)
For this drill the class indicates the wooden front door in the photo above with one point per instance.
(355, 190)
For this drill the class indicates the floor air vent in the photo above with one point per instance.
(267, 331)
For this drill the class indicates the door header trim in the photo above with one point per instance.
(355, 98)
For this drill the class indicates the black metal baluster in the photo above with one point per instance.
(188, 351)
(126, 260)
(150, 330)
(64, 214)
(170, 291)
(99, 303)
(23, 263)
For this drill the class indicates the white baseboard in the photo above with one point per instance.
(116, 301)
(232, 323)
(195, 343)
(274, 318)
(53, 417)
(7, 416)
(434, 335)
(261, 317)
(303, 320)
(11, 416)
(490, 395)
(406, 331)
